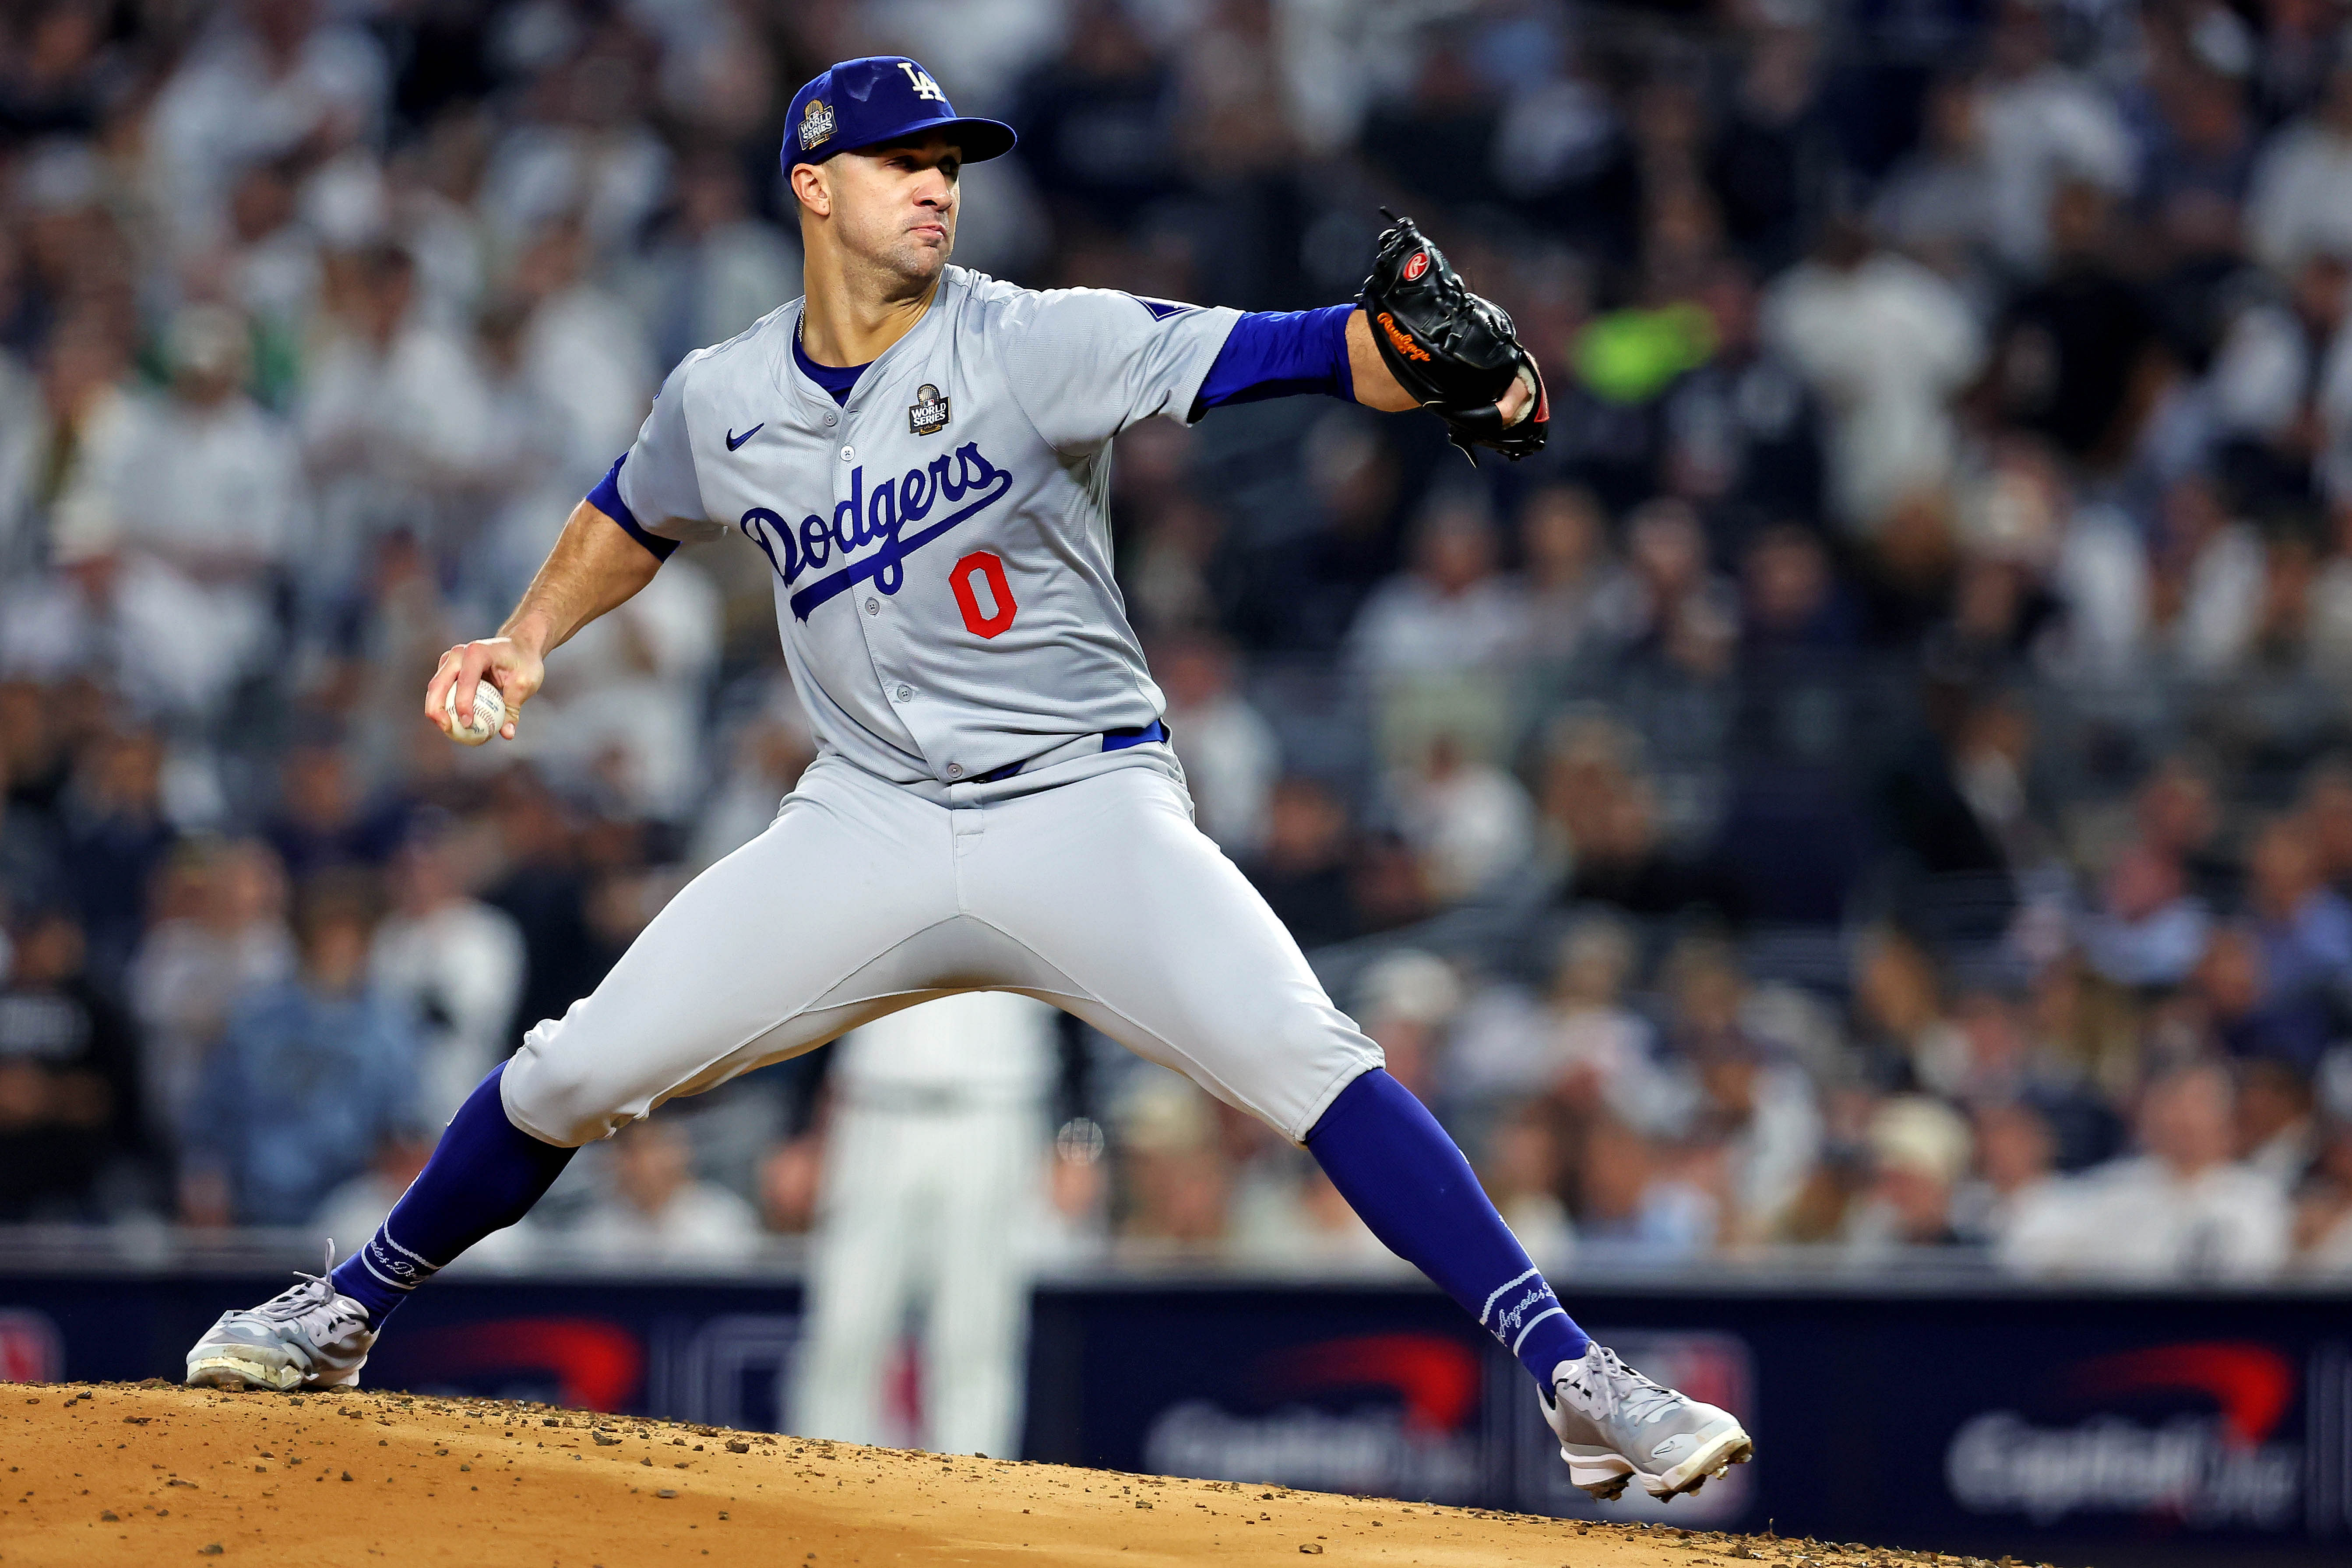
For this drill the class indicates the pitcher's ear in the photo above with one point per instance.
(812, 189)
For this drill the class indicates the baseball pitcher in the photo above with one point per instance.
(922, 454)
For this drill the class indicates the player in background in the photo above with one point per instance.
(934, 1154)
(922, 453)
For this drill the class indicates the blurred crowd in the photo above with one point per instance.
(1879, 783)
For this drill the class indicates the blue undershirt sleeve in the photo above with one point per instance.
(606, 497)
(1282, 354)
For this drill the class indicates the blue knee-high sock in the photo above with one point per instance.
(484, 1175)
(1398, 1171)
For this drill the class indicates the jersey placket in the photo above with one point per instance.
(880, 614)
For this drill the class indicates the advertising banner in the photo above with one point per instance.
(2104, 1428)
(2114, 1429)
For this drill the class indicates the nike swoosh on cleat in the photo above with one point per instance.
(733, 440)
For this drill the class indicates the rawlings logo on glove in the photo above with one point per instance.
(1456, 353)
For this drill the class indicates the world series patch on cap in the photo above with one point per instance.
(881, 98)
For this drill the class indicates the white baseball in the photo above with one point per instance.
(490, 715)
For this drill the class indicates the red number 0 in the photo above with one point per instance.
(984, 564)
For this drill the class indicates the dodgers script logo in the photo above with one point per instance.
(875, 517)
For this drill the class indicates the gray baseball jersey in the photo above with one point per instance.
(941, 545)
(941, 553)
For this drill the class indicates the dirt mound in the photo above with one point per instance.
(108, 1474)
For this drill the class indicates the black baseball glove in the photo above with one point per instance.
(1453, 351)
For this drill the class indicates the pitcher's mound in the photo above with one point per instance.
(101, 1475)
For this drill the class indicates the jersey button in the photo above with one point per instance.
(955, 770)
(847, 453)
(830, 421)
(873, 606)
(905, 694)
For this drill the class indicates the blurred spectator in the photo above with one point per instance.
(68, 1076)
(2077, 358)
(220, 935)
(321, 822)
(59, 74)
(1898, 1006)
(1230, 755)
(1522, 1173)
(1098, 119)
(2180, 1210)
(29, 870)
(2277, 1134)
(625, 711)
(1689, 613)
(576, 156)
(2322, 1222)
(2015, 1159)
(1938, 203)
(1582, 1044)
(1406, 1002)
(115, 838)
(2044, 124)
(1430, 640)
(2245, 1014)
(1636, 1200)
(2148, 929)
(716, 269)
(1470, 823)
(1744, 435)
(182, 515)
(393, 416)
(769, 753)
(1750, 1110)
(1919, 1149)
(310, 1076)
(1293, 1220)
(654, 1214)
(580, 352)
(1581, 602)
(1886, 344)
(1176, 1184)
(2304, 925)
(1790, 602)
(2302, 198)
(791, 1179)
(454, 963)
(1302, 867)
(545, 893)
(268, 76)
(1599, 815)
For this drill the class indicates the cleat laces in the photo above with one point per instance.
(316, 1291)
(1637, 1398)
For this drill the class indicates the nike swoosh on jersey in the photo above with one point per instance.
(734, 441)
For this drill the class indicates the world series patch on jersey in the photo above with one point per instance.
(941, 545)
(927, 415)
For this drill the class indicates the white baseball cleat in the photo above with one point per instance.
(1614, 1424)
(307, 1336)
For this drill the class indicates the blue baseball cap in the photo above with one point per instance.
(880, 97)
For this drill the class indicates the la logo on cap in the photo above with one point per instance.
(816, 124)
(920, 80)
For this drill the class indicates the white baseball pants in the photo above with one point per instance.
(1098, 896)
(922, 1207)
